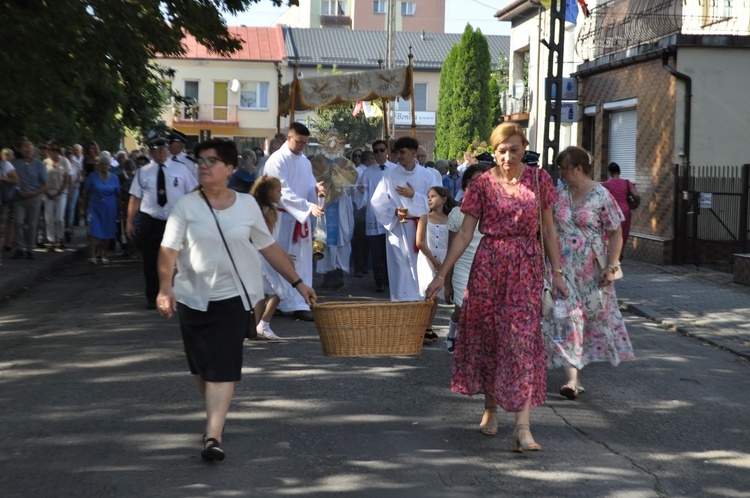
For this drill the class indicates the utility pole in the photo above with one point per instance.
(553, 85)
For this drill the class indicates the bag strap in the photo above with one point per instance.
(541, 227)
(210, 208)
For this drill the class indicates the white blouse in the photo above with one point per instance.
(203, 265)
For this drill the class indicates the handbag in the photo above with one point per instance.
(548, 297)
(251, 333)
(633, 200)
(601, 265)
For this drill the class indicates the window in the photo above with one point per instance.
(332, 8)
(380, 6)
(408, 8)
(190, 97)
(420, 99)
(254, 95)
(622, 147)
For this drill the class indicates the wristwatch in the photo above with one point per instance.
(613, 268)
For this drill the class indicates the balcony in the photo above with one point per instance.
(335, 22)
(516, 109)
(205, 114)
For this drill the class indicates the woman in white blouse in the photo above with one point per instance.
(214, 236)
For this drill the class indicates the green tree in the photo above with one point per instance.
(358, 130)
(79, 69)
(445, 108)
(471, 103)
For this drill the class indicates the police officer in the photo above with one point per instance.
(177, 141)
(155, 189)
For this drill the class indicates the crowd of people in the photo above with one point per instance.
(242, 231)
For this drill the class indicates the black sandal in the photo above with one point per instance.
(212, 451)
(429, 337)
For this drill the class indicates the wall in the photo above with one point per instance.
(720, 106)
(250, 123)
(430, 16)
(655, 90)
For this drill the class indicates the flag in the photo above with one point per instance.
(571, 11)
(357, 108)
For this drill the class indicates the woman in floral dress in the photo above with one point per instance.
(588, 222)
(499, 351)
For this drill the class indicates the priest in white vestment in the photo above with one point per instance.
(402, 188)
(299, 200)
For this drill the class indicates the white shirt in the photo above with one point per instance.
(203, 263)
(298, 185)
(179, 181)
(186, 160)
(370, 179)
(5, 167)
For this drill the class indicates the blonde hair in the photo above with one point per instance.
(504, 131)
(261, 190)
(7, 154)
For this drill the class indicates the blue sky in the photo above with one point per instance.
(478, 13)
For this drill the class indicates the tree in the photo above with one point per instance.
(471, 102)
(80, 69)
(445, 100)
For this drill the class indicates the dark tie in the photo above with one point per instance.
(161, 187)
(174, 158)
(382, 166)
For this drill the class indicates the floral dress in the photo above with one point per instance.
(499, 348)
(596, 332)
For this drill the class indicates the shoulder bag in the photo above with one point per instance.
(251, 333)
(633, 200)
(548, 297)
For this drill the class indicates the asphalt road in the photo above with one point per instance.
(96, 401)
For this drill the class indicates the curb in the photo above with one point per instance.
(701, 333)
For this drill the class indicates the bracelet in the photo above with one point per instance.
(295, 284)
(441, 278)
(559, 270)
(613, 268)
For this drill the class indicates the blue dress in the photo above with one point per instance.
(102, 206)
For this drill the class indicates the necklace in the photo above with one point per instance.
(512, 181)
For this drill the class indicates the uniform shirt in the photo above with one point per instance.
(185, 159)
(179, 181)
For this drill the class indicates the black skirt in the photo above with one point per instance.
(213, 339)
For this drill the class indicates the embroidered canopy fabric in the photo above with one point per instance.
(320, 91)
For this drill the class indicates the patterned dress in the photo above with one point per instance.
(499, 348)
(597, 332)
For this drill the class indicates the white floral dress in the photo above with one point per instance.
(597, 332)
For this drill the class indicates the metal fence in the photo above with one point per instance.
(711, 214)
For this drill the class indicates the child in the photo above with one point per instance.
(267, 192)
(432, 240)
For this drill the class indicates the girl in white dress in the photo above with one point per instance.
(267, 192)
(432, 241)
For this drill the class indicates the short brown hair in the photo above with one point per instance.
(574, 156)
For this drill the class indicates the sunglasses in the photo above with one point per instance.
(208, 161)
(378, 150)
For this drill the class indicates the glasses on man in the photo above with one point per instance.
(303, 142)
(380, 149)
(208, 161)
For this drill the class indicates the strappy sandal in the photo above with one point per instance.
(212, 450)
(520, 447)
(429, 337)
(489, 429)
(568, 391)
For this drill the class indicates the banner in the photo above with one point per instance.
(320, 91)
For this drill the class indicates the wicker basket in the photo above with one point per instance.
(372, 329)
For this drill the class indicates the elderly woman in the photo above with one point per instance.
(499, 351)
(588, 223)
(100, 204)
(214, 235)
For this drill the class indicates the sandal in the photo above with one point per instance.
(429, 337)
(212, 451)
(450, 344)
(520, 447)
(568, 391)
(489, 429)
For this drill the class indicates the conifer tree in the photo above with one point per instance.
(444, 110)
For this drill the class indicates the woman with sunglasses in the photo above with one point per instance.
(215, 236)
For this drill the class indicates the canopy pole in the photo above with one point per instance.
(278, 100)
(293, 96)
(387, 136)
(411, 91)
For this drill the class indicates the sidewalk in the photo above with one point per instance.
(699, 303)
